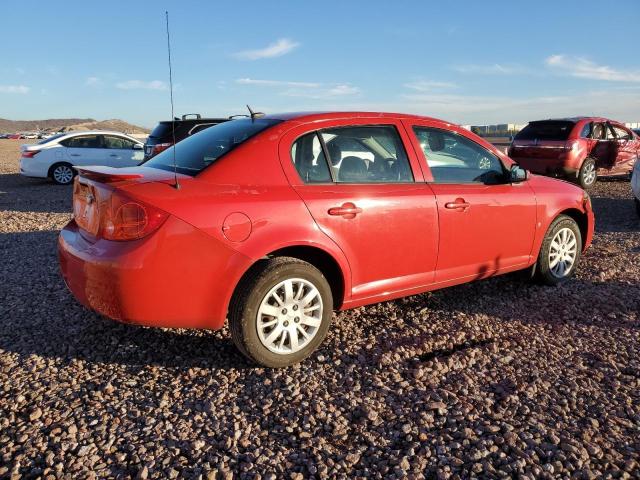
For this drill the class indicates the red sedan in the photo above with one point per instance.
(275, 222)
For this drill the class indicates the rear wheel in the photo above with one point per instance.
(280, 312)
(587, 175)
(61, 173)
(560, 251)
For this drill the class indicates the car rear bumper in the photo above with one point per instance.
(548, 167)
(29, 168)
(178, 277)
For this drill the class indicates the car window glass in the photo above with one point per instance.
(621, 133)
(453, 158)
(598, 131)
(199, 128)
(309, 159)
(609, 133)
(111, 141)
(367, 154)
(83, 141)
(586, 131)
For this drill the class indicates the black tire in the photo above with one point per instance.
(249, 294)
(585, 179)
(543, 270)
(59, 173)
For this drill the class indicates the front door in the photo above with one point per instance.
(486, 224)
(359, 185)
(121, 152)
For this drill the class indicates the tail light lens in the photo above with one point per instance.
(30, 153)
(160, 147)
(112, 215)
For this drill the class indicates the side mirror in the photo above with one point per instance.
(518, 174)
(137, 146)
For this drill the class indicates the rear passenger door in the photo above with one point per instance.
(364, 189)
(486, 224)
(85, 150)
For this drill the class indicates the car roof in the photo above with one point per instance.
(317, 116)
(575, 119)
(98, 132)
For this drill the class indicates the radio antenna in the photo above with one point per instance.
(176, 185)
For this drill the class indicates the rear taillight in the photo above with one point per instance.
(113, 215)
(160, 147)
(127, 219)
(30, 153)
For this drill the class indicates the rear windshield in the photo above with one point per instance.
(547, 130)
(197, 152)
(51, 138)
(162, 129)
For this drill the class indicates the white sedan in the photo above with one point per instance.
(55, 156)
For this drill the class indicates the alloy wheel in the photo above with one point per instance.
(289, 316)
(563, 252)
(63, 174)
(589, 173)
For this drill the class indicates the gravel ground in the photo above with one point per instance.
(493, 379)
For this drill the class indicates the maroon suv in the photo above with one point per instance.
(579, 148)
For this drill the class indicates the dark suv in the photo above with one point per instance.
(579, 148)
(161, 137)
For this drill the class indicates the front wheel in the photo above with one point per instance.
(280, 312)
(560, 251)
(587, 175)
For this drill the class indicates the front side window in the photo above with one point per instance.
(309, 159)
(83, 141)
(453, 158)
(621, 133)
(197, 152)
(111, 141)
(366, 154)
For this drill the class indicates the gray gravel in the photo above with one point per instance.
(494, 379)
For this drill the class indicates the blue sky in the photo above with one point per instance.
(469, 62)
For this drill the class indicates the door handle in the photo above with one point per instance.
(113, 155)
(74, 154)
(347, 210)
(459, 204)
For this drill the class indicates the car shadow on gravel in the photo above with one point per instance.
(24, 194)
(615, 215)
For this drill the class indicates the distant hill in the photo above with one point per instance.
(68, 124)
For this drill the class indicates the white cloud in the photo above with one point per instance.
(93, 81)
(275, 83)
(584, 68)
(429, 85)
(14, 89)
(310, 90)
(276, 49)
(323, 91)
(142, 85)
(491, 69)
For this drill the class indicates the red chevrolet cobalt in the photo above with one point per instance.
(275, 222)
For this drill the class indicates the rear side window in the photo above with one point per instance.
(309, 159)
(586, 131)
(366, 154)
(111, 141)
(552, 130)
(84, 141)
(197, 152)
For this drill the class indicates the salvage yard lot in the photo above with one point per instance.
(494, 379)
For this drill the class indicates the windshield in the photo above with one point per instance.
(199, 151)
(546, 130)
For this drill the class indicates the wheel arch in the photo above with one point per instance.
(580, 218)
(331, 268)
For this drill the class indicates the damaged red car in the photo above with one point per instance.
(273, 223)
(578, 149)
